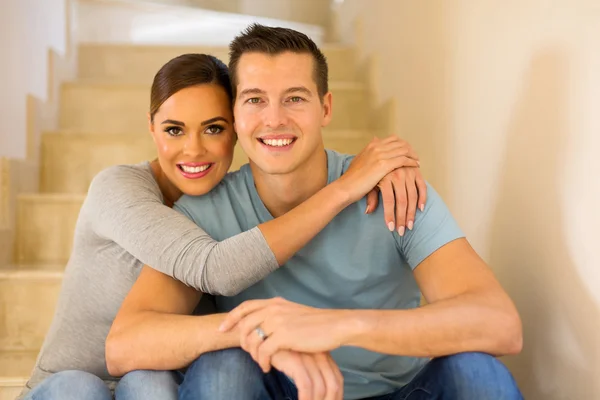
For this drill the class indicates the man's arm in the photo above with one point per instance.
(153, 329)
(467, 311)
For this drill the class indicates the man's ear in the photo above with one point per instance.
(327, 109)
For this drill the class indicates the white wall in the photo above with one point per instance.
(28, 28)
(502, 99)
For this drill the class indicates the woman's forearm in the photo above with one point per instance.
(157, 341)
(290, 232)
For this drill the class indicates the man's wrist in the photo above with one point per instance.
(351, 325)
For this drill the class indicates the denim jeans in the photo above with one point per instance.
(232, 374)
(80, 385)
(226, 374)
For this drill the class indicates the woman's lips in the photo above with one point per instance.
(195, 170)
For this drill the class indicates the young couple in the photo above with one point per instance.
(316, 296)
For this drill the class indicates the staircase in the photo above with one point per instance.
(102, 122)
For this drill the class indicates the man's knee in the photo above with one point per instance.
(143, 384)
(230, 373)
(71, 385)
(477, 375)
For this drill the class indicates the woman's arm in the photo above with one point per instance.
(124, 207)
(290, 232)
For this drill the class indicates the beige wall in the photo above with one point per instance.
(502, 99)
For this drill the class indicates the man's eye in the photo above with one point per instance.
(296, 99)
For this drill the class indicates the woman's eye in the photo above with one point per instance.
(253, 100)
(214, 129)
(174, 131)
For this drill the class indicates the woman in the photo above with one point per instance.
(126, 222)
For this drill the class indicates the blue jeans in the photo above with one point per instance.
(232, 374)
(226, 374)
(79, 385)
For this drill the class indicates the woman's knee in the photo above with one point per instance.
(230, 373)
(71, 385)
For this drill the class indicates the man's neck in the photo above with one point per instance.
(281, 193)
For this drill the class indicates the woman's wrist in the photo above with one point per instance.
(339, 191)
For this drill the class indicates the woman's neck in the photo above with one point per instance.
(169, 191)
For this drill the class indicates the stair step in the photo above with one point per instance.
(71, 160)
(45, 227)
(138, 64)
(15, 368)
(28, 298)
(112, 108)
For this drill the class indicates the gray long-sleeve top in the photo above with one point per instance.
(123, 224)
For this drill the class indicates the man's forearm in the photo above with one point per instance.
(158, 341)
(469, 322)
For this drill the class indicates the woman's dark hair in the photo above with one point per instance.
(186, 71)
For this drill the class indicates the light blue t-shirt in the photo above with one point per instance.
(354, 263)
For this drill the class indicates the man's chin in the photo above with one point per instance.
(280, 168)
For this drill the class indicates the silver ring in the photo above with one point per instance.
(261, 334)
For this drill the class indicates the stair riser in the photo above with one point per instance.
(123, 109)
(9, 393)
(29, 308)
(45, 229)
(139, 64)
(69, 162)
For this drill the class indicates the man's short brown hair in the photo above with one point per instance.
(274, 41)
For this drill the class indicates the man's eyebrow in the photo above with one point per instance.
(249, 91)
(301, 89)
(173, 122)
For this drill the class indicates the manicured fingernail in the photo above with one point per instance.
(391, 226)
(367, 210)
(401, 231)
(422, 207)
(410, 225)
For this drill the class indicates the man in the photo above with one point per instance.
(351, 295)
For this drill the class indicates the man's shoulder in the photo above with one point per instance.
(337, 163)
(227, 192)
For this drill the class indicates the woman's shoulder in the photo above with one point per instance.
(124, 174)
(129, 179)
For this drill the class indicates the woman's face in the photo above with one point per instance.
(194, 136)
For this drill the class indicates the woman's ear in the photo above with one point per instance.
(151, 126)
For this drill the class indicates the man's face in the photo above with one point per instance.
(278, 112)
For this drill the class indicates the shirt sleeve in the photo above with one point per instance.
(433, 228)
(124, 205)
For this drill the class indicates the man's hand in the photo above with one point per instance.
(287, 326)
(316, 376)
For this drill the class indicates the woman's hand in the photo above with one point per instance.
(389, 165)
